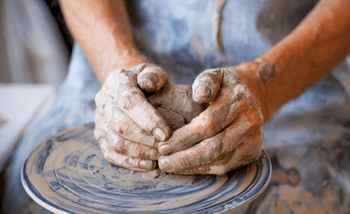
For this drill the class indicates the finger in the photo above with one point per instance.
(209, 150)
(122, 85)
(100, 117)
(131, 163)
(101, 126)
(247, 151)
(130, 148)
(216, 117)
(207, 85)
(152, 78)
(126, 127)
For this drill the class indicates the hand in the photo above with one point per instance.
(225, 136)
(128, 127)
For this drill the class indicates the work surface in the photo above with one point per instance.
(68, 174)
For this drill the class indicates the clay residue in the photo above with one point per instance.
(2, 120)
(174, 119)
(74, 176)
(176, 102)
(155, 180)
(266, 72)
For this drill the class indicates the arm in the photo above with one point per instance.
(102, 29)
(228, 133)
(127, 126)
(317, 45)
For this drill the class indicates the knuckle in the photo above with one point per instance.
(120, 147)
(114, 77)
(127, 100)
(123, 126)
(240, 91)
(229, 77)
(185, 163)
(213, 150)
(119, 144)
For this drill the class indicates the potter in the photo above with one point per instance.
(228, 133)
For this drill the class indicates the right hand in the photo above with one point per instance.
(128, 128)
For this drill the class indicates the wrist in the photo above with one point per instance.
(248, 75)
(124, 59)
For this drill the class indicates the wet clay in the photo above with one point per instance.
(68, 173)
(129, 126)
(266, 72)
(176, 103)
(223, 137)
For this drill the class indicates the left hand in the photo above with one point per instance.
(227, 135)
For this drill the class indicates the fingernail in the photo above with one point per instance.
(146, 164)
(159, 134)
(203, 90)
(164, 164)
(165, 149)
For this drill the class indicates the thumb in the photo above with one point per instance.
(152, 78)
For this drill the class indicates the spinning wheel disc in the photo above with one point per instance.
(68, 174)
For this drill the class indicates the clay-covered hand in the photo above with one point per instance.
(227, 135)
(128, 128)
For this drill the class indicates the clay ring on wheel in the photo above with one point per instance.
(68, 174)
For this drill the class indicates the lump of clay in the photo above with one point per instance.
(175, 104)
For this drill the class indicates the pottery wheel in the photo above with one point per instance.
(68, 174)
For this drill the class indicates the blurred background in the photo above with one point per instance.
(26, 27)
(29, 73)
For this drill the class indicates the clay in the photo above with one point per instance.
(124, 117)
(178, 99)
(266, 72)
(68, 172)
(174, 119)
(225, 136)
(153, 174)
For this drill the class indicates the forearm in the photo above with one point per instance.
(102, 29)
(317, 45)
